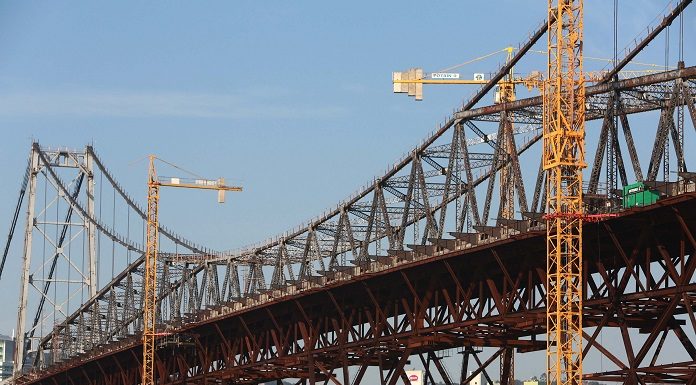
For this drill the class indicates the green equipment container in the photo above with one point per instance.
(637, 194)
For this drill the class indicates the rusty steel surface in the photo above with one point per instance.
(491, 295)
(420, 259)
(193, 291)
(332, 235)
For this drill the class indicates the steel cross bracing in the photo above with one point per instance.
(406, 213)
(63, 234)
(220, 281)
(639, 281)
(191, 288)
(349, 228)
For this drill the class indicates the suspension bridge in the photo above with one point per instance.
(416, 263)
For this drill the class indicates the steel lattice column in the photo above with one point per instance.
(564, 152)
(150, 278)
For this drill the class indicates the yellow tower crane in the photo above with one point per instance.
(564, 160)
(412, 80)
(152, 234)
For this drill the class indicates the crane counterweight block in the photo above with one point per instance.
(409, 82)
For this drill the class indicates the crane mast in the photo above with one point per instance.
(563, 160)
(506, 94)
(149, 312)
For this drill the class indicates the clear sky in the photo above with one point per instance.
(290, 99)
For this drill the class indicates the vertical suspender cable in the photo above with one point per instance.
(665, 154)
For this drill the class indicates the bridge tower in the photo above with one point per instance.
(64, 268)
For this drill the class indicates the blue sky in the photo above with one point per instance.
(290, 99)
(293, 100)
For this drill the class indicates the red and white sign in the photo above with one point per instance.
(415, 377)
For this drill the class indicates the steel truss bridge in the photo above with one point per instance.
(415, 264)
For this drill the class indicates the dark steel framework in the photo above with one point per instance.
(351, 286)
(491, 294)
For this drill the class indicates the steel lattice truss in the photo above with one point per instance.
(490, 295)
(294, 291)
